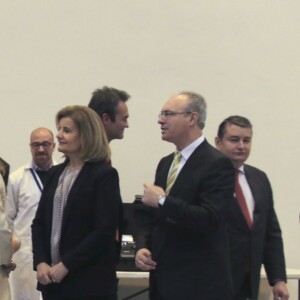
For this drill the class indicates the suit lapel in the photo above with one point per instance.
(193, 162)
(164, 171)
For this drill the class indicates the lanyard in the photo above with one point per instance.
(36, 179)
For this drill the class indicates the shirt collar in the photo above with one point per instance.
(241, 169)
(187, 151)
(36, 168)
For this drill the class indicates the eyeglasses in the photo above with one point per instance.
(169, 113)
(37, 145)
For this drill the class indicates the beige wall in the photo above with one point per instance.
(242, 56)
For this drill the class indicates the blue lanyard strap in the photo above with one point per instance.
(35, 176)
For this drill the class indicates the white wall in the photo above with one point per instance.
(242, 56)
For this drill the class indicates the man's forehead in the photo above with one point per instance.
(121, 108)
(176, 102)
(237, 131)
(41, 135)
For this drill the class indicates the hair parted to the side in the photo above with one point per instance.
(233, 120)
(94, 143)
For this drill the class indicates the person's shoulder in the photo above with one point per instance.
(251, 168)
(100, 167)
(56, 167)
(165, 159)
(211, 152)
(55, 170)
(254, 170)
(19, 172)
(100, 171)
(168, 156)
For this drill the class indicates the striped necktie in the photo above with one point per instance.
(173, 172)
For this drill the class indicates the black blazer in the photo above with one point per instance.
(187, 235)
(263, 243)
(87, 246)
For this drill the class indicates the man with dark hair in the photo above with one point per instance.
(254, 232)
(110, 105)
(181, 235)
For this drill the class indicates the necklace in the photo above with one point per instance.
(66, 181)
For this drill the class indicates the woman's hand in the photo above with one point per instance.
(43, 273)
(58, 272)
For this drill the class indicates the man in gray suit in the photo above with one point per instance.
(254, 231)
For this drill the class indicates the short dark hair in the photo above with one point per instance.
(105, 100)
(233, 120)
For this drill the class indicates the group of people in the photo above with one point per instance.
(207, 225)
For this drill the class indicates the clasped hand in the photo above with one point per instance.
(47, 274)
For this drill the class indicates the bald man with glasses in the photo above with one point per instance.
(181, 234)
(23, 194)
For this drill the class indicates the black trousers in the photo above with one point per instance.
(54, 292)
(58, 297)
(244, 293)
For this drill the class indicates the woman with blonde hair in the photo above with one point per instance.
(73, 232)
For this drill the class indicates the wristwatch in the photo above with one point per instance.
(161, 199)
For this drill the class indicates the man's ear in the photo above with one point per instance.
(217, 142)
(194, 117)
(105, 119)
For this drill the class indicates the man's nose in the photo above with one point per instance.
(160, 119)
(241, 144)
(40, 148)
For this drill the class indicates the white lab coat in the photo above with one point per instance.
(23, 195)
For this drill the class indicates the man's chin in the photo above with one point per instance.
(239, 160)
(41, 160)
(165, 138)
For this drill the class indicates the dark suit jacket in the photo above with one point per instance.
(187, 235)
(261, 244)
(87, 246)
